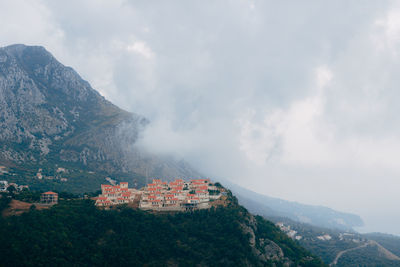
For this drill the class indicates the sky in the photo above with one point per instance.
(292, 99)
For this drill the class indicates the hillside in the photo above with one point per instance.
(76, 233)
(51, 118)
(344, 248)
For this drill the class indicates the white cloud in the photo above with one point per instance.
(386, 34)
(286, 99)
(141, 48)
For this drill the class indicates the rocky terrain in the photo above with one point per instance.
(50, 116)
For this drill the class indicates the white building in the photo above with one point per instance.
(3, 186)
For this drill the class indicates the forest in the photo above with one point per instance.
(75, 232)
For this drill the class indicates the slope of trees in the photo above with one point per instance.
(78, 234)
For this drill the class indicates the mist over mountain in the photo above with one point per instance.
(50, 115)
(270, 207)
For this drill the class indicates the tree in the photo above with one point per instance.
(11, 189)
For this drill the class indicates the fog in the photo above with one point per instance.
(293, 100)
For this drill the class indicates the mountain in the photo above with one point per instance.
(76, 233)
(275, 207)
(51, 118)
(344, 248)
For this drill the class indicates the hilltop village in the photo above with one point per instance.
(178, 195)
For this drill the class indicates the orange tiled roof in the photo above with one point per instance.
(49, 193)
(178, 188)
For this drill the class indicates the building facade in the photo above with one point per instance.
(116, 194)
(49, 198)
(178, 195)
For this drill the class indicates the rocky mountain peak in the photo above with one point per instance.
(49, 115)
(37, 65)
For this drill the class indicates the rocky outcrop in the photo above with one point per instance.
(264, 249)
(49, 113)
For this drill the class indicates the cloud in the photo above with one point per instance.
(141, 48)
(297, 101)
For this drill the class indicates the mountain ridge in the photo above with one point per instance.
(50, 116)
(274, 207)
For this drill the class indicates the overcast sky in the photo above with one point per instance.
(297, 100)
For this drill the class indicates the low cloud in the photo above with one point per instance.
(297, 101)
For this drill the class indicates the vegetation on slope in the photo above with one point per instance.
(353, 248)
(77, 233)
(366, 256)
(390, 242)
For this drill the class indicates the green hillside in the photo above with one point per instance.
(76, 233)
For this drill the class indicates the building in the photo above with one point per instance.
(49, 198)
(3, 186)
(116, 194)
(3, 170)
(178, 195)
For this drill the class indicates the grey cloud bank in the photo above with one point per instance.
(297, 101)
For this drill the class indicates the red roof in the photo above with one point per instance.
(49, 193)
(102, 198)
(123, 182)
(178, 188)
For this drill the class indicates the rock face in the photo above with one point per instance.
(264, 249)
(49, 114)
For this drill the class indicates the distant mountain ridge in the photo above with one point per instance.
(50, 116)
(275, 207)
